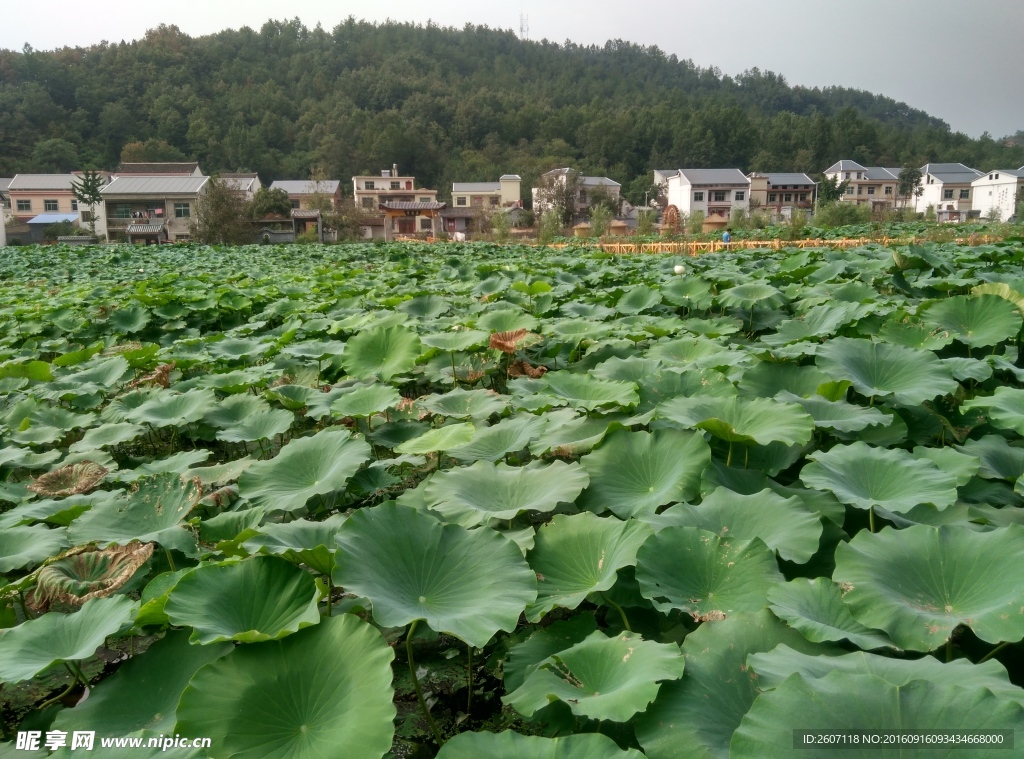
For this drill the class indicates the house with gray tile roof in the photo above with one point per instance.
(586, 189)
(154, 208)
(714, 192)
(873, 186)
(781, 192)
(504, 193)
(947, 187)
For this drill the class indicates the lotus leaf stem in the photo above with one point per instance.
(622, 613)
(416, 684)
(76, 671)
(728, 459)
(993, 652)
(469, 679)
(871, 518)
(170, 559)
(51, 701)
(949, 648)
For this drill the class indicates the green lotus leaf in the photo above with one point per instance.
(128, 320)
(303, 697)
(292, 397)
(742, 420)
(864, 476)
(1004, 408)
(864, 702)
(239, 349)
(878, 369)
(29, 648)
(751, 294)
(469, 584)
(575, 331)
(150, 513)
(464, 404)
(696, 716)
(690, 292)
(263, 425)
(506, 320)
(54, 511)
(586, 392)
(263, 598)
(440, 439)
(154, 598)
(815, 607)
(773, 667)
(708, 577)
(632, 369)
(235, 409)
(301, 542)
(570, 433)
(783, 524)
(767, 379)
(998, 459)
(602, 678)
(976, 321)
(637, 299)
(470, 495)
(960, 465)
(21, 547)
(919, 583)
(304, 468)
(511, 745)
(456, 341)
(178, 463)
(837, 415)
(507, 436)
(381, 352)
(107, 435)
(105, 373)
(634, 473)
(87, 572)
(319, 350)
(143, 694)
(581, 554)
(175, 410)
(523, 658)
(424, 306)
(691, 352)
(366, 401)
(899, 329)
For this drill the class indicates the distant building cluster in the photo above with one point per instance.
(156, 202)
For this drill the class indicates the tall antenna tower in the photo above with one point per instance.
(524, 26)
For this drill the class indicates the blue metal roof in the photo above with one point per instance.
(53, 218)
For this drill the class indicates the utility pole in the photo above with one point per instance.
(524, 26)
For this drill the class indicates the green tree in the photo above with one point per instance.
(929, 213)
(60, 229)
(222, 216)
(500, 226)
(600, 219)
(909, 184)
(550, 226)
(267, 202)
(86, 189)
(695, 224)
(645, 222)
(831, 190)
(54, 156)
(1020, 205)
(154, 150)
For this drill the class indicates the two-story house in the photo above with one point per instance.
(504, 193)
(868, 185)
(371, 191)
(587, 188)
(947, 188)
(34, 194)
(781, 192)
(998, 193)
(714, 192)
(149, 208)
(245, 184)
(303, 192)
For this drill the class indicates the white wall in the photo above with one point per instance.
(996, 193)
(681, 193)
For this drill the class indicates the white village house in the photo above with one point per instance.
(586, 189)
(149, 208)
(999, 191)
(713, 192)
(947, 188)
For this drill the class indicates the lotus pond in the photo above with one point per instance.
(570, 506)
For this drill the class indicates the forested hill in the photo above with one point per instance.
(444, 104)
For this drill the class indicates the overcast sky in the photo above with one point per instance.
(960, 61)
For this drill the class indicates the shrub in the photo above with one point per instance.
(696, 223)
(842, 214)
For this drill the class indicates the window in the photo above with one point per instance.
(697, 196)
(122, 211)
(368, 202)
(74, 204)
(494, 200)
(888, 189)
(789, 197)
(50, 205)
(425, 200)
(369, 186)
(997, 176)
(965, 194)
(740, 194)
(803, 197)
(871, 190)
(426, 225)
(849, 189)
(771, 198)
(847, 175)
(24, 205)
(461, 200)
(182, 210)
(860, 190)
(947, 194)
(86, 216)
(396, 185)
(720, 196)
(859, 176)
(295, 204)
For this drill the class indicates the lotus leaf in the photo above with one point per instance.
(976, 321)
(381, 352)
(815, 607)
(740, 420)
(469, 584)
(87, 572)
(510, 745)
(366, 401)
(919, 583)
(601, 678)
(301, 697)
(264, 598)
(877, 369)
(21, 547)
(440, 439)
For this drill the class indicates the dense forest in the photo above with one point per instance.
(444, 104)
